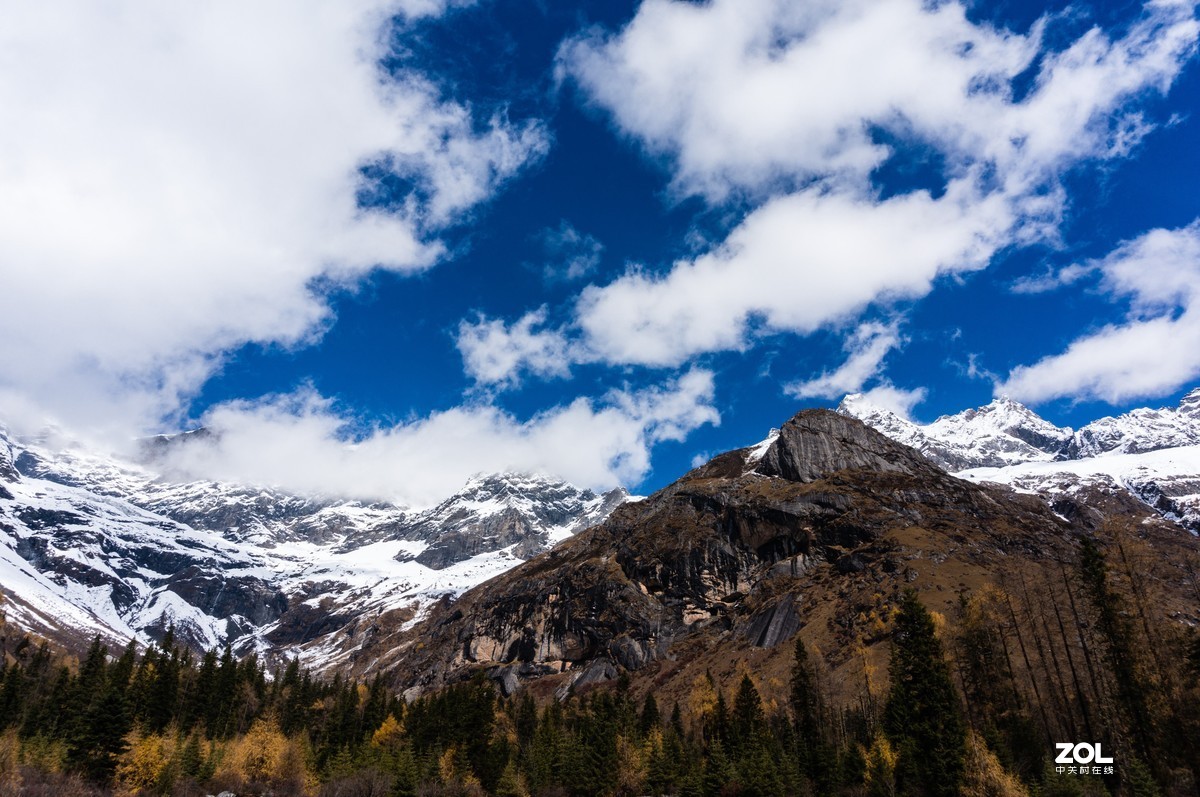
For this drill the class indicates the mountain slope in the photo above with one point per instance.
(92, 545)
(816, 533)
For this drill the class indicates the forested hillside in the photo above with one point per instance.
(971, 704)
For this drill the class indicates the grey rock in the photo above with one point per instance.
(597, 672)
(818, 443)
(507, 679)
(775, 625)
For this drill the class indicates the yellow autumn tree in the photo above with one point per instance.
(265, 755)
(44, 754)
(631, 768)
(880, 774)
(10, 758)
(512, 782)
(985, 775)
(258, 754)
(702, 698)
(454, 771)
(143, 762)
(389, 735)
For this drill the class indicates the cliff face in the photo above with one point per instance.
(818, 533)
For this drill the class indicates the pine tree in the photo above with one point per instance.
(526, 720)
(1118, 637)
(718, 770)
(815, 757)
(922, 717)
(650, 718)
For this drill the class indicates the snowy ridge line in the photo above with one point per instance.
(90, 544)
(1152, 453)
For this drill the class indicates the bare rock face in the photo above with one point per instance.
(817, 443)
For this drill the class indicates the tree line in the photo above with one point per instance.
(972, 707)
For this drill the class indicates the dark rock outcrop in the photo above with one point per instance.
(815, 444)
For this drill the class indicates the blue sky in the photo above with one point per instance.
(387, 245)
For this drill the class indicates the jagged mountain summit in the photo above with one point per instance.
(93, 545)
(524, 513)
(1004, 432)
(815, 531)
(1152, 453)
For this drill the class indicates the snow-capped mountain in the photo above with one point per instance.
(524, 513)
(1141, 430)
(1001, 433)
(1152, 453)
(93, 545)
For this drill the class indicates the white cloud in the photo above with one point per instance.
(298, 442)
(496, 354)
(174, 180)
(798, 262)
(1154, 351)
(1051, 279)
(896, 399)
(742, 93)
(776, 102)
(867, 347)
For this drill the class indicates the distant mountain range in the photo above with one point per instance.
(815, 532)
(1152, 453)
(91, 545)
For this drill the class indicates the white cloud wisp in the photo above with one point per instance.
(1154, 351)
(866, 347)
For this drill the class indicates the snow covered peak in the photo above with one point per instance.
(1000, 433)
(1004, 418)
(1003, 412)
(857, 405)
(1141, 430)
(1006, 432)
(501, 510)
(510, 486)
(880, 418)
(89, 544)
(759, 449)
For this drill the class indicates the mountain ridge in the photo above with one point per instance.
(817, 534)
(1008, 443)
(89, 544)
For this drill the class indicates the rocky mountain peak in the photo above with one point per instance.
(817, 443)
(1190, 404)
(8, 470)
(524, 513)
